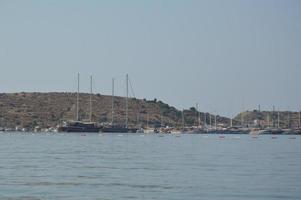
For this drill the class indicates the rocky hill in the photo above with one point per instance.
(29, 110)
(287, 119)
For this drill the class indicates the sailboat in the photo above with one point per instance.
(114, 128)
(77, 125)
(148, 129)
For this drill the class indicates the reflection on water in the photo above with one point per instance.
(108, 166)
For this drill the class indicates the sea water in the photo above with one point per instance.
(145, 166)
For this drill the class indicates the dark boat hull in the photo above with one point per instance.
(79, 130)
(114, 130)
(118, 130)
(79, 127)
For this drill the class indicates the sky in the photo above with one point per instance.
(228, 56)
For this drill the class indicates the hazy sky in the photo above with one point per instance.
(227, 55)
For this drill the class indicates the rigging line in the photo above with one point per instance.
(132, 90)
(136, 103)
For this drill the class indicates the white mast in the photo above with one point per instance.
(113, 101)
(299, 119)
(205, 119)
(147, 119)
(126, 101)
(91, 90)
(215, 121)
(273, 125)
(199, 119)
(77, 98)
(288, 119)
(241, 119)
(183, 122)
(278, 120)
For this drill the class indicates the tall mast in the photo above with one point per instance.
(241, 113)
(278, 120)
(77, 99)
(91, 90)
(260, 115)
(231, 122)
(161, 119)
(210, 120)
(147, 119)
(299, 119)
(199, 120)
(205, 119)
(183, 122)
(273, 125)
(288, 120)
(241, 119)
(126, 101)
(215, 122)
(113, 95)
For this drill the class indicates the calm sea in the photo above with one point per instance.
(133, 166)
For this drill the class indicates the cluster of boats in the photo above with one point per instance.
(88, 127)
(275, 131)
(92, 127)
(81, 126)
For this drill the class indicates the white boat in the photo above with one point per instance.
(149, 130)
(176, 131)
(259, 131)
(140, 130)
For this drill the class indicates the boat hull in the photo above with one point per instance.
(118, 130)
(78, 130)
(79, 127)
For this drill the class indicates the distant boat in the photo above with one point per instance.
(147, 129)
(114, 128)
(275, 131)
(140, 130)
(176, 131)
(288, 132)
(79, 126)
(117, 128)
(259, 131)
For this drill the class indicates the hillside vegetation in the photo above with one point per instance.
(29, 110)
(287, 119)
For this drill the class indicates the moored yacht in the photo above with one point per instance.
(77, 126)
(118, 128)
(80, 126)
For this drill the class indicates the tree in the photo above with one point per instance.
(192, 109)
